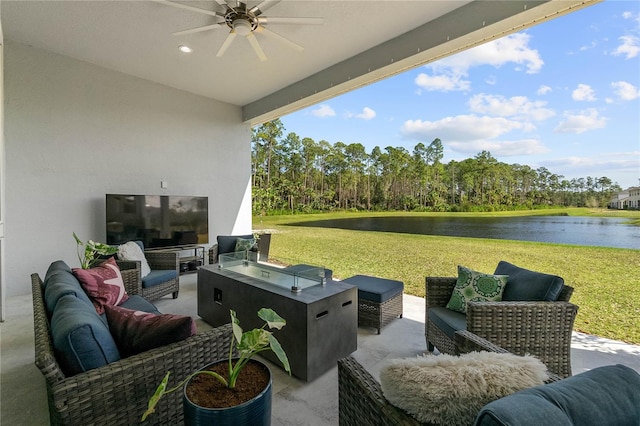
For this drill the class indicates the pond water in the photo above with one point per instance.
(585, 231)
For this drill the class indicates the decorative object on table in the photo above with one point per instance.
(534, 316)
(254, 410)
(89, 255)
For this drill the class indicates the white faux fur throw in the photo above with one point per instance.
(451, 390)
(132, 251)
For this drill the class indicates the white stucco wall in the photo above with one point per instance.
(75, 131)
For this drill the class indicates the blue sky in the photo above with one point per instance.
(564, 95)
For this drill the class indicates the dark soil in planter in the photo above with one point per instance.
(207, 391)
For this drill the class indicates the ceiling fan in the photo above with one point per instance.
(246, 21)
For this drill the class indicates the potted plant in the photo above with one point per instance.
(87, 256)
(223, 377)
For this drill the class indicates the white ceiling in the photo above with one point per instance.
(359, 42)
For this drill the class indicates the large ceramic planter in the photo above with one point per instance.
(255, 412)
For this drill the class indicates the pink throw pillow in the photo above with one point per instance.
(103, 284)
(138, 331)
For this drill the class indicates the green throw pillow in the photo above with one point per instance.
(244, 244)
(475, 286)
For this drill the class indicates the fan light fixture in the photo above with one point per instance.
(243, 20)
(241, 27)
(184, 49)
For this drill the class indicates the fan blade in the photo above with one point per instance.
(277, 36)
(284, 20)
(191, 8)
(197, 30)
(256, 46)
(227, 43)
(262, 7)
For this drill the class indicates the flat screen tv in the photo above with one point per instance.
(157, 220)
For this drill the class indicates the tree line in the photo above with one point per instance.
(291, 174)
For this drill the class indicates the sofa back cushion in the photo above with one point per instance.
(607, 395)
(59, 283)
(227, 243)
(81, 339)
(526, 285)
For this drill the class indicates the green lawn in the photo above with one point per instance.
(606, 280)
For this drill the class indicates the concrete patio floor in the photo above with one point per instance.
(23, 399)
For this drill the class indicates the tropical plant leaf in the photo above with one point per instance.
(235, 324)
(254, 340)
(156, 397)
(272, 319)
(277, 349)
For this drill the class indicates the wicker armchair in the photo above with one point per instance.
(360, 397)
(157, 260)
(541, 329)
(118, 393)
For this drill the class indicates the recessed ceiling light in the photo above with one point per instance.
(184, 49)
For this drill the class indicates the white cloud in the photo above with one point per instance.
(459, 128)
(512, 48)
(519, 107)
(581, 122)
(625, 91)
(443, 83)
(584, 92)
(500, 148)
(630, 47)
(599, 165)
(449, 74)
(543, 90)
(366, 114)
(323, 110)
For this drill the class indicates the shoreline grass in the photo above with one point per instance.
(607, 286)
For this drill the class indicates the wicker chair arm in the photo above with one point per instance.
(438, 290)
(468, 342)
(361, 401)
(213, 254)
(130, 382)
(542, 329)
(131, 272)
(163, 260)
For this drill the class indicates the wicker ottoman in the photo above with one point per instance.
(379, 300)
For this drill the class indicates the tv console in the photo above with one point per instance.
(190, 256)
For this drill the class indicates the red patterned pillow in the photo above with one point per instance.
(138, 331)
(103, 284)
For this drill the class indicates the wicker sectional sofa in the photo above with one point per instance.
(117, 392)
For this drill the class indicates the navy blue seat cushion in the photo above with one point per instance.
(81, 339)
(607, 395)
(526, 285)
(447, 320)
(139, 303)
(158, 276)
(328, 273)
(227, 243)
(375, 289)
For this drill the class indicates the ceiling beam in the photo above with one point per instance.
(468, 26)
